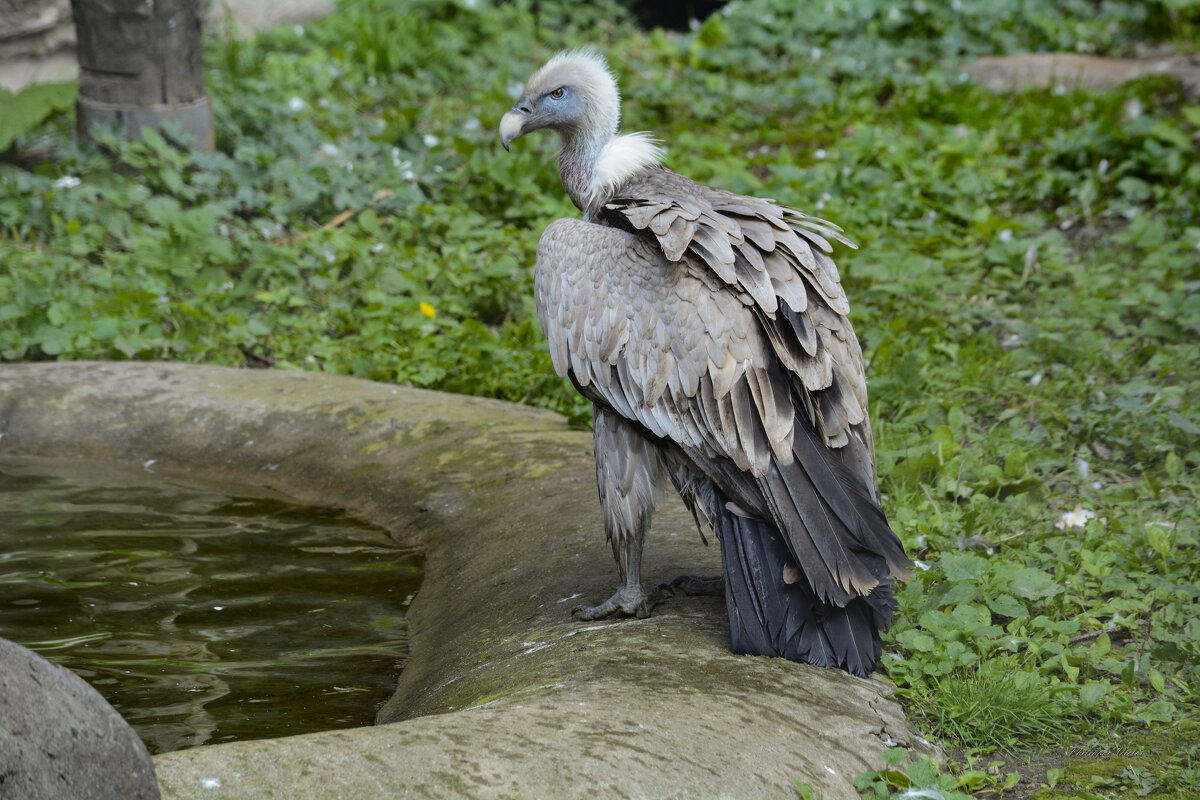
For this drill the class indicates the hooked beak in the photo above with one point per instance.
(513, 123)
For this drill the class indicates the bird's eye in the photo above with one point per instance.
(558, 93)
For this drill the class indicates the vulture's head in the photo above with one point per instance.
(574, 94)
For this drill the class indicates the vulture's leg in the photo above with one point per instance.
(699, 495)
(628, 469)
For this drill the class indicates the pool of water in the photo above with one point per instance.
(203, 615)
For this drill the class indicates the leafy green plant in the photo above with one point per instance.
(26, 110)
(924, 778)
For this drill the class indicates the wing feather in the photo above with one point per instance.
(720, 329)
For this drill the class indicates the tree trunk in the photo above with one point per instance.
(141, 63)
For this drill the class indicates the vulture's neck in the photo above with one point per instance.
(592, 167)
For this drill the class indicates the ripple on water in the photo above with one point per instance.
(203, 617)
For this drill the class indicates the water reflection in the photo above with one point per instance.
(203, 617)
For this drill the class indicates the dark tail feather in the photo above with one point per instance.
(770, 617)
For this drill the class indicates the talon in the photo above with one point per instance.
(695, 585)
(589, 613)
(626, 602)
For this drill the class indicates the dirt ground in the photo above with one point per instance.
(1137, 763)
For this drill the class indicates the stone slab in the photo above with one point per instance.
(505, 695)
(1079, 71)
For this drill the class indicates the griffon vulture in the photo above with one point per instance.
(709, 330)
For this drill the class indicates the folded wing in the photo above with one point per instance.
(717, 323)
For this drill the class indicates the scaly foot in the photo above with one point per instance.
(712, 585)
(627, 602)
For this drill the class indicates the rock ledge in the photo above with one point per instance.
(505, 695)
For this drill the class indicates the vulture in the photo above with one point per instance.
(709, 330)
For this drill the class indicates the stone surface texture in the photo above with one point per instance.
(505, 695)
(37, 37)
(1079, 71)
(60, 739)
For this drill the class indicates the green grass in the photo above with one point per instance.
(1027, 289)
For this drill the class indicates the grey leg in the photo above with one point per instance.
(629, 469)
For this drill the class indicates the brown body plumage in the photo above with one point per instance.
(709, 329)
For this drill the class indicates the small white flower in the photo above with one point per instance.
(1083, 466)
(330, 149)
(408, 175)
(377, 248)
(820, 155)
(430, 140)
(1102, 167)
(922, 794)
(1076, 518)
(1005, 236)
(297, 104)
(694, 24)
(816, 53)
(471, 124)
(1133, 108)
(67, 182)
(1036, 379)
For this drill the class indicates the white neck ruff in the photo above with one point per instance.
(620, 158)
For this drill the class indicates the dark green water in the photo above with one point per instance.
(203, 617)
